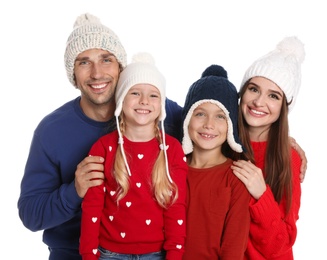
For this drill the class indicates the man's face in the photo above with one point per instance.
(96, 74)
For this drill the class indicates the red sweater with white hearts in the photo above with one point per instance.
(272, 233)
(137, 225)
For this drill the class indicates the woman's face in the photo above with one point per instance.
(261, 104)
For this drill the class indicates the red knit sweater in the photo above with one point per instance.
(218, 215)
(137, 225)
(272, 234)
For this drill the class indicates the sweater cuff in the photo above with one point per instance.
(264, 207)
(72, 200)
(174, 255)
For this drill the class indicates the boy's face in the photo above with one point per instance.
(208, 127)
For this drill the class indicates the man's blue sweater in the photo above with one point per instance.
(48, 199)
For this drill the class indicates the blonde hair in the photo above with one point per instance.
(164, 191)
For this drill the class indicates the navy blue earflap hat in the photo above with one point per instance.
(213, 87)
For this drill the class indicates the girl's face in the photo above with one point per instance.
(261, 104)
(142, 105)
(208, 127)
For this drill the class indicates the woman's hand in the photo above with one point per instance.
(251, 176)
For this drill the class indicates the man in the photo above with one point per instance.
(52, 187)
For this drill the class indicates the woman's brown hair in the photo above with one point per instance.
(277, 170)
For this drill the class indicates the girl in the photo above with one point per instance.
(139, 211)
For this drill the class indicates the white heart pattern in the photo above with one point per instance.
(104, 189)
(162, 147)
(95, 251)
(94, 219)
(138, 184)
(128, 204)
(112, 193)
(180, 221)
(148, 221)
(179, 246)
(111, 218)
(110, 148)
(122, 234)
(140, 156)
(184, 158)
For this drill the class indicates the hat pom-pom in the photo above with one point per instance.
(86, 19)
(215, 70)
(143, 57)
(292, 46)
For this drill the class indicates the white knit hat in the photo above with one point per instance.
(141, 70)
(88, 34)
(282, 66)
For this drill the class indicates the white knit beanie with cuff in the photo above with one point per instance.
(141, 70)
(90, 33)
(282, 66)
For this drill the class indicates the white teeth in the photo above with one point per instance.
(99, 86)
(208, 136)
(257, 112)
(142, 111)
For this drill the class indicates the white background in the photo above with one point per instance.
(184, 37)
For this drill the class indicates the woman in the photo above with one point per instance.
(268, 92)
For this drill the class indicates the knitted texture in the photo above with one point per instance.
(213, 87)
(89, 33)
(141, 70)
(282, 66)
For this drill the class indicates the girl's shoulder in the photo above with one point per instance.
(171, 139)
(108, 139)
(173, 142)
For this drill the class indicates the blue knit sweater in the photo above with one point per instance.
(48, 199)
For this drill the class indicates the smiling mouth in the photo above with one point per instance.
(98, 86)
(257, 112)
(208, 136)
(142, 111)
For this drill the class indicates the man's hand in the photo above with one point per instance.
(301, 152)
(89, 173)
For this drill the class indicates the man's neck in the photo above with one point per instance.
(100, 113)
